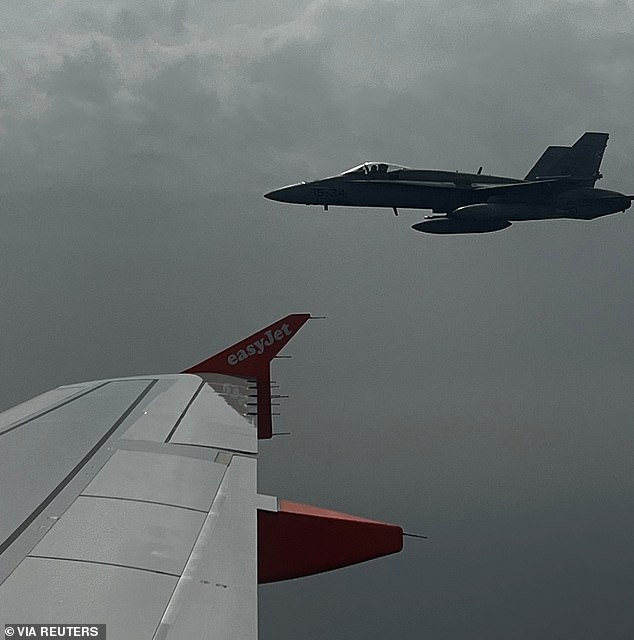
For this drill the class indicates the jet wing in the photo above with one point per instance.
(534, 188)
(531, 189)
(516, 189)
(133, 502)
(416, 183)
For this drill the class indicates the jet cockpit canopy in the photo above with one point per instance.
(373, 168)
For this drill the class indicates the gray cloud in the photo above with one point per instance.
(327, 83)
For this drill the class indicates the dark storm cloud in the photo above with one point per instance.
(475, 389)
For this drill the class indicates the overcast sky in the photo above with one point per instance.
(477, 389)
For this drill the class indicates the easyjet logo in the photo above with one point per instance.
(258, 347)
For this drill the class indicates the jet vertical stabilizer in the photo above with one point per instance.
(580, 162)
(586, 156)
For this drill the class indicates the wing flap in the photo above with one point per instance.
(128, 533)
(216, 594)
(43, 590)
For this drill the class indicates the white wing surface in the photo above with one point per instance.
(156, 535)
(133, 502)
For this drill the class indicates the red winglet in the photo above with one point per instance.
(251, 358)
(300, 540)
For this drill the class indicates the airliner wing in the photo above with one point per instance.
(133, 502)
(116, 495)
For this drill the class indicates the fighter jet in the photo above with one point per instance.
(560, 185)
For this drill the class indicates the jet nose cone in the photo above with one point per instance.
(276, 195)
(295, 193)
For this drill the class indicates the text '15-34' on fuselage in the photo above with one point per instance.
(560, 185)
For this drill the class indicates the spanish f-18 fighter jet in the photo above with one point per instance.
(560, 185)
